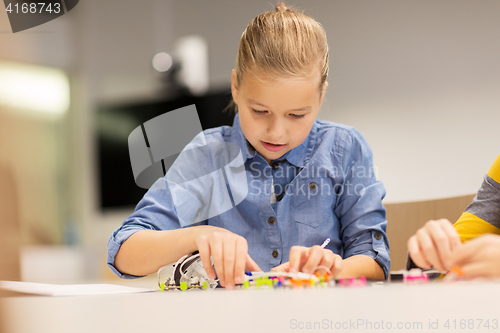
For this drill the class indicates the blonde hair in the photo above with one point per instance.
(283, 43)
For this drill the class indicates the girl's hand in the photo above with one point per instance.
(479, 257)
(305, 259)
(433, 244)
(229, 253)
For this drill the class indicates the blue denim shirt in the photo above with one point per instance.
(325, 188)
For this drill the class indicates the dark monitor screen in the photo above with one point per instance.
(114, 123)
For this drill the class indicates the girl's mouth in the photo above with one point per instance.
(272, 146)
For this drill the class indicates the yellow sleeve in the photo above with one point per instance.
(469, 226)
(482, 216)
(495, 170)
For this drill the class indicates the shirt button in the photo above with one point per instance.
(275, 165)
(271, 220)
(279, 197)
(275, 254)
(377, 236)
(312, 185)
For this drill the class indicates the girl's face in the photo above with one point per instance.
(276, 115)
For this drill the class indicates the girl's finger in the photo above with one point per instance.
(217, 256)
(251, 265)
(328, 259)
(313, 259)
(240, 260)
(229, 250)
(295, 258)
(281, 268)
(337, 266)
(204, 250)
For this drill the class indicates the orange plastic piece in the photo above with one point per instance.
(457, 271)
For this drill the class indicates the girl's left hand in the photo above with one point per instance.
(305, 259)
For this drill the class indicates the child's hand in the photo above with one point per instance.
(305, 259)
(433, 244)
(229, 253)
(479, 257)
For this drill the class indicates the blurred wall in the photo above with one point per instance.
(29, 147)
(9, 223)
(34, 145)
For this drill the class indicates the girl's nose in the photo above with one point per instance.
(276, 129)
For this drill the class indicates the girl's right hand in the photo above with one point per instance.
(229, 253)
(433, 244)
(305, 259)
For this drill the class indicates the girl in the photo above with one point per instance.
(308, 180)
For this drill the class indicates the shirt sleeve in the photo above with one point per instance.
(154, 212)
(483, 214)
(359, 208)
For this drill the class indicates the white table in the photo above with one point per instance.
(326, 309)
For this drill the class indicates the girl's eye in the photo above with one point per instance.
(297, 116)
(259, 111)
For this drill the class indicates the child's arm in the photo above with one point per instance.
(146, 251)
(434, 244)
(361, 213)
(154, 235)
(361, 265)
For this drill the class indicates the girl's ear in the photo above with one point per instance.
(323, 93)
(234, 87)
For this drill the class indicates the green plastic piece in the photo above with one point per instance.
(313, 283)
(205, 285)
(162, 286)
(246, 284)
(184, 286)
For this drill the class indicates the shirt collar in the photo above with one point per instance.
(298, 156)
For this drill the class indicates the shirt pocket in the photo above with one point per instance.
(313, 201)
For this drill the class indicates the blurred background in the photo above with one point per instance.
(419, 79)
